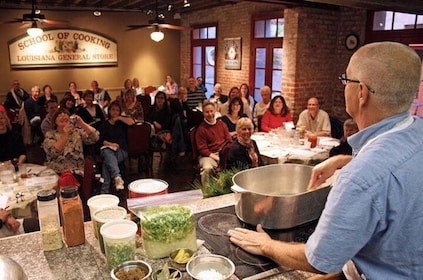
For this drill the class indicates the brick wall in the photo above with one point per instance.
(314, 51)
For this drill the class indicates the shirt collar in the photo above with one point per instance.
(360, 138)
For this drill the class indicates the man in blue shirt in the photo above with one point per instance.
(372, 222)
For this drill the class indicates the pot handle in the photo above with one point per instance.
(238, 189)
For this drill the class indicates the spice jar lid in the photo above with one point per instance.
(69, 192)
(46, 195)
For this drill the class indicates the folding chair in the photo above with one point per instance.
(138, 137)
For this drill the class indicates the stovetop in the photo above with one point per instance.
(212, 226)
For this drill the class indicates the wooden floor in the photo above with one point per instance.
(177, 174)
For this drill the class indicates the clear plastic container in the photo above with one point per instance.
(48, 214)
(167, 228)
(102, 216)
(99, 202)
(119, 241)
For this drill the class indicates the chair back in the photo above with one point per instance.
(224, 154)
(145, 101)
(88, 180)
(336, 127)
(194, 118)
(138, 137)
(149, 89)
(193, 144)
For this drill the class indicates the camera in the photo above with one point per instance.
(73, 121)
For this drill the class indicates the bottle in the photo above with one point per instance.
(296, 136)
(48, 214)
(72, 216)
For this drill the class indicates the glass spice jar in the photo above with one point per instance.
(48, 214)
(72, 216)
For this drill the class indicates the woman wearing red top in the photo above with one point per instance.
(277, 114)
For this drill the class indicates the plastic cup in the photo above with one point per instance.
(99, 202)
(312, 138)
(104, 215)
(119, 241)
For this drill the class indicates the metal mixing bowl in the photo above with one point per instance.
(129, 265)
(11, 270)
(212, 264)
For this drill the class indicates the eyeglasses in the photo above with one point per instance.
(344, 80)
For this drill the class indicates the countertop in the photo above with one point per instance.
(86, 261)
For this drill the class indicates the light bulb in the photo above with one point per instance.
(34, 31)
(157, 35)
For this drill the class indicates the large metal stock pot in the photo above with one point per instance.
(276, 196)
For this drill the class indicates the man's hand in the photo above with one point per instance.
(326, 169)
(251, 241)
(12, 224)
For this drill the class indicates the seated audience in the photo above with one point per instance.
(77, 94)
(244, 152)
(210, 137)
(47, 124)
(236, 108)
(101, 96)
(12, 146)
(179, 109)
(64, 144)
(234, 92)
(201, 84)
(48, 94)
(127, 84)
(261, 106)
(195, 94)
(15, 97)
(217, 97)
(68, 103)
(160, 117)
(33, 107)
(276, 115)
(314, 119)
(171, 87)
(131, 107)
(246, 97)
(114, 146)
(90, 112)
(350, 128)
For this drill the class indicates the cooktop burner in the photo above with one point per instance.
(212, 226)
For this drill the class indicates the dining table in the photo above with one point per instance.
(20, 196)
(279, 147)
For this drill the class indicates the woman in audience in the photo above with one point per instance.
(48, 94)
(171, 87)
(91, 113)
(68, 103)
(131, 107)
(262, 106)
(277, 114)
(127, 84)
(12, 146)
(246, 97)
(77, 94)
(114, 146)
(236, 108)
(244, 152)
(64, 144)
(160, 117)
(136, 86)
(179, 108)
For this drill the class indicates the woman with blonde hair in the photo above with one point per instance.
(244, 152)
(131, 107)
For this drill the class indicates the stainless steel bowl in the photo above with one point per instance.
(130, 265)
(11, 270)
(210, 264)
(181, 264)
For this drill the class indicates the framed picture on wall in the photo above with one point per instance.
(233, 53)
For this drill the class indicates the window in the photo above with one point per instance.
(387, 20)
(266, 62)
(204, 42)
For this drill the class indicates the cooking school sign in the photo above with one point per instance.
(62, 47)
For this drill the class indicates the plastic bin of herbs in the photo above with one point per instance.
(167, 228)
(119, 241)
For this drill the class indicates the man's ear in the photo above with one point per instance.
(363, 95)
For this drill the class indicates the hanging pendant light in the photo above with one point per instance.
(157, 35)
(34, 30)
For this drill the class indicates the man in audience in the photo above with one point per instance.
(217, 97)
(210, 137)
(314, 119)
(15, 97)
(372, 222)
(47, 123)
(101, 96)
(196, 95)
(350, 128)
(33, 107)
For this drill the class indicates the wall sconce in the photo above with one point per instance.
(34, 31)
(157, 35)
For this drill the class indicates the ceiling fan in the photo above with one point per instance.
(158, 23)
(35, 17)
